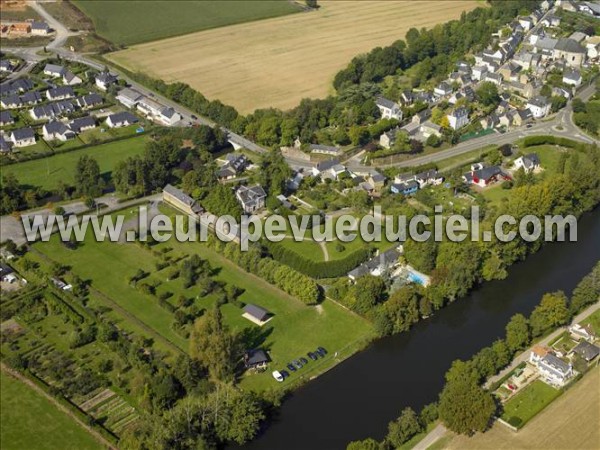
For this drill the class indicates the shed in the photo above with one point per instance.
(256, 314)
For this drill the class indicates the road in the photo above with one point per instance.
(560, 125)
(439, 431)
(11, 227)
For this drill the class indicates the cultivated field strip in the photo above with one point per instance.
(277, 62)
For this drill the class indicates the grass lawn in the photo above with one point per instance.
(527, 403)
(47, 172)
(109, 266)
(30, 421)
(165, 18)
(295, 328)
(594, 321)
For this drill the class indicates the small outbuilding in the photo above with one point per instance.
(256, 314)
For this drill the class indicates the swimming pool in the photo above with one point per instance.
(417, 278)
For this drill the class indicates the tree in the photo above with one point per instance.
(550, 313)
(465, 407)
(586, 292)
(421, 255)
(517, 333)
(488, 94)
(404, 428)
(214, 346)
(558, 102)
(368, 291)
(311, 3)
(87, 177)
(367, 444)
(359, 135)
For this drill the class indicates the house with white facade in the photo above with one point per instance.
(539, 106)
(458, 118)
(388, 109)
(23, 137)
(551, 368)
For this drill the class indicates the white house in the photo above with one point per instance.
(388, 108)
(539, 106)
(82, 124)
(168, 116)
(53, 70)
(40, 28)
(70, 79)
(251, 198)
(572, 77)
(458, 118)
(443, 89)
(57, 130)
(325, 150)
(121, 119)
(60, 93)
(23, 137)
(582, 332)
(551, 368)
(528, 162)
(104, 80)
(129, 97)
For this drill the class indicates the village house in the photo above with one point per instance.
(325, 150)
(539, 106)
(251, 198)
(570, 51)
(6, 118)
(458, 118)
(52, 110)
(430, 177)
(19, 28)
(54, 70)
(579, 332)
(11, 102)
(376, 181)
(323, 166)
(377, 265)
(479, 73)
(39, 28)
(551, 20)
(6, 66)
(89, 101)
(387, 139)
(255, 359)
(234, 165)
(407, 188)
(23, 137)
(551, 368)
(528, 163)
(60, 93)
(82, 124)
(57, 131)
(388, 108)
(5, 147)
(129, 97)
(573, 78)
(31, 98)
(104, 80)
(483, 176)
(495, 78)
(122, 119)
(586, 351)
(70, 79)
(180, 200)
(443, 89)
(168, 116)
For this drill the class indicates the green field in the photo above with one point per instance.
(30, 421)
(166, 18)
(47, 172)
(527, 403)
(294, 330)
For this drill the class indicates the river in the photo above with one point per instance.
(358, 398)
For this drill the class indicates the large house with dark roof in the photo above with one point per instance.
(121, 119)
(57, 131)
(180, 200)
(484, 176)
(23, 137)
(388, 108)
(551, 368)
(251, 198)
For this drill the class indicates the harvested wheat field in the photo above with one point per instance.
(277, 62)
(570, 422)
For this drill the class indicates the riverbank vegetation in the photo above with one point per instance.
(464, 405)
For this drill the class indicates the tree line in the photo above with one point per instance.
(464, 405)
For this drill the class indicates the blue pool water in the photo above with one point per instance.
(416, 278)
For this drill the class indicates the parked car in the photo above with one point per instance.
(321, 351)
(291, 367)
(312, 356)
(297, 364)
(284, 374)
(277, 375)
(304, 361)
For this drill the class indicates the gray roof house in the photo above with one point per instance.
(89, 100)
(325, 150)
(54, 70)
(82, 123)
(586, 350)
(23, 137)
(121, 119)
(57, 130)
(60, 93)
(376, 265)
(6, 118)
(255, 359)
(251, 198)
